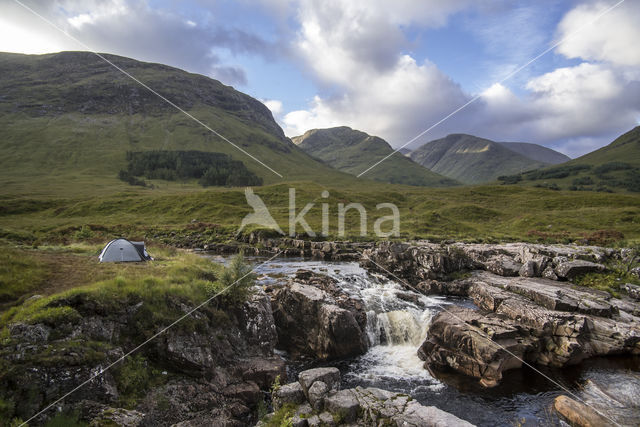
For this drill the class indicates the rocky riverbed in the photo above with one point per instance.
(474, 313)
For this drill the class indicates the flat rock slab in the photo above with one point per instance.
(571, 269)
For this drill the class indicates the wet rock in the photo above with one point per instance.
(539, 321)
(248, 392)
(263, 371)
(571, 269)
(288, 393)
(454, 288)
(316, 394)
(329, 376)
(473, 344)
(579, 414)
(310, 321)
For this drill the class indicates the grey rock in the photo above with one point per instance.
(550, 274)
(632, 290)
(571, 269)
(329, 376)
(288, 393)
(344, 404)
(504, 266)
(118, 416)
(635, 271)
(32, 334)
(528, 269)
(314, 421)
(326, 419)
(316, 395)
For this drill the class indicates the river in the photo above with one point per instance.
(397, 322)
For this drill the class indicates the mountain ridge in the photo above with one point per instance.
(353, 151)
(471, 159)
(69, 119)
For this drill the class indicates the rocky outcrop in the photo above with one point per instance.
(212, 366)
(313, 317)
(255, 243)
(326, 405)
(421, 261)
(534, 320)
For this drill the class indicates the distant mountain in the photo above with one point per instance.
(537, 152)
(353, 151)
(615, 167)
(472, 160)
(68, 120)
(404, 151)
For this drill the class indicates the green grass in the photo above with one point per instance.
(613, 168)
(482, 213)
(282, 417)
(19, 273)
(175, 275)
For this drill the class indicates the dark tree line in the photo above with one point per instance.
(208, 168)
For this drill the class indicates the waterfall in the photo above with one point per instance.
(398, 327)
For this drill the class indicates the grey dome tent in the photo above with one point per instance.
(123, 250)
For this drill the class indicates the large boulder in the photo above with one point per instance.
(529, 320)
(288, 393)
(310, 321)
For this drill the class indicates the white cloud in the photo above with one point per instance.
(613, 37)
(354, 49)
(274, 106)
(134, 28)
(383, 92)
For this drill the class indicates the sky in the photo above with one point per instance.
(391, 69)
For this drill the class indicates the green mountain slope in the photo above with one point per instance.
(537, 152)
(352, 151)
(470, 159)
(615, 167)
(68, 120)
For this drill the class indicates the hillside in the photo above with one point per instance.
(69, 119)
(615, 167)
(353, 151)
(537, 152)
(471, 160)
